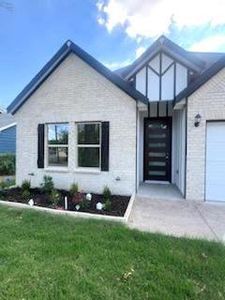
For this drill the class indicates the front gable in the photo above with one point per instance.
(67, 49)
(162, 78)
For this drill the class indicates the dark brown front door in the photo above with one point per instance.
(157, 149)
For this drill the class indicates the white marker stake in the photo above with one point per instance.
(66, 203)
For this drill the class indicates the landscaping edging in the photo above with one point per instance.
(123, 219)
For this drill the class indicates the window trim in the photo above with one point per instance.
(89, 145)
(47, 146)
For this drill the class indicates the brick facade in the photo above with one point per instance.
(209, 102)
(76, 92)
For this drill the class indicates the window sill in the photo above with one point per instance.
(57, 169)
(87, 170)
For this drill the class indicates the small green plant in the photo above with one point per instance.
(84, 204)
(48, 185)
(55, 197)
(26, 195)
(108, 205)
(106, 193)
(25, 186)
(74, 189)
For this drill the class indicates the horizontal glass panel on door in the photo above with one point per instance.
(156, 154)
(157, 163)
(158, 173)
(157, 136)
(157, 145)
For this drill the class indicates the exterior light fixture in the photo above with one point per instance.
(197, 120)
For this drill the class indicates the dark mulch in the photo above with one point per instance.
(118, 203)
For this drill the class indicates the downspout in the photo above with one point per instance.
(136, 148)
(185, 165)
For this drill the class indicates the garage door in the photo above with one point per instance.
(215, 161)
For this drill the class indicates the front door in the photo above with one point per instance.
(157, 149)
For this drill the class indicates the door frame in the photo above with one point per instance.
(169, 122)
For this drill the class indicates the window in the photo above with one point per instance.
(89, 144)
(57, 145)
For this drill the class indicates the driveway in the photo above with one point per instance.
(179, 218)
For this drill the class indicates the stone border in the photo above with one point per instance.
(85, 215)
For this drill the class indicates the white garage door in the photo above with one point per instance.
(215, 161)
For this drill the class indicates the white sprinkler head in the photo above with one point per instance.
(31, 202)
(89, 197)
(99, 206)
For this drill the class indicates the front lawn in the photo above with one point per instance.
(43, 256)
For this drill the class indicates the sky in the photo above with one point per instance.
(115, 32)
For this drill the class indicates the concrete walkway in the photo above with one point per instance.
(179, 218)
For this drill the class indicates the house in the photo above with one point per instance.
(7, 133)
(159, 120)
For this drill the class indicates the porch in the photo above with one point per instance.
(159, 191)
(161, 144)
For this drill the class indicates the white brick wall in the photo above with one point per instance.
(209, 101)
(76, 92)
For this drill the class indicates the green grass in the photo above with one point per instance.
(43, 256)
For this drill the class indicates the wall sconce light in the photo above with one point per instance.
(197, 120)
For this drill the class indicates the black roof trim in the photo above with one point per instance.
(63, 52)
(203, 78)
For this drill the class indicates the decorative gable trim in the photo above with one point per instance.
(169, 48)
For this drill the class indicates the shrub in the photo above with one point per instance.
(47, 185)
(74, 189)
(106, 193)
(55, 197)
(79, 198)
(7, 164)
(108, 205)
(25, 186)
(26, 195)
(84, 203)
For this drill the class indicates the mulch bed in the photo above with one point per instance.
(118, 203)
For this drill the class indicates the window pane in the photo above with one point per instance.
(58, 134)
(58, 156)
(156, 154)
(157, 163)
(88, 157)
(157, 173)
(157, 145)
(88, 134)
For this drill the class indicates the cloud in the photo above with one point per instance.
(117, 65)
(150, 18)
(211, 43)
(139, 51)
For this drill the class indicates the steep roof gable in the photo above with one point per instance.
(64, 51)
(167, 46)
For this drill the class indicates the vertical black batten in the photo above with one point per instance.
(41, 145)
(174, 82)
(160, 82)
(146, 89)
(105, 147)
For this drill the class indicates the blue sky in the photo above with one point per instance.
(113, 31)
